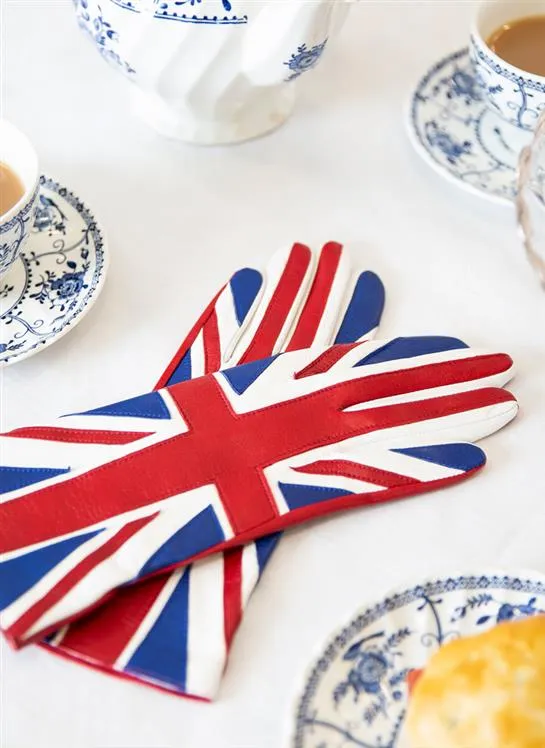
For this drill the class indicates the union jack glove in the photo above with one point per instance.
(208, 464)
(142, 633)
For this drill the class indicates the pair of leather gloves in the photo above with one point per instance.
(272, 412)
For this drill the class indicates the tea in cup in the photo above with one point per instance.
(11, 188)
(19, 185)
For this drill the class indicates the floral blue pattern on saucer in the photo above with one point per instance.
(57, 278)
(355, 693)
(452, 128)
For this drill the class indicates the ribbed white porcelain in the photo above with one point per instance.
(212, 71)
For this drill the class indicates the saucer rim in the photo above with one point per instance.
(53, 184)
(424, 153)
(409, 583)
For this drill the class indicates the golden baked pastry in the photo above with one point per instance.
(484, 691)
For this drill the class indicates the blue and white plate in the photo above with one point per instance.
(454, 131)
(355, 692)
(57, 278)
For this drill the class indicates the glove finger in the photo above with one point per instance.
(374, 474)
(403, 370)
(466, 415)
(247, 320)
(292, 308)
(404, 365)
(287, 280)
(340, 307)
(208, 345)
(364, 310)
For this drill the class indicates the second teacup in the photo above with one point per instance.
(517, 95)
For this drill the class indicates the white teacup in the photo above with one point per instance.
(516, 95)
(17, 152)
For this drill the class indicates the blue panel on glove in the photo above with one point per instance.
(241, 377)
(364, 310)
(183, 371)
(245, 286)
(186, 542)
(299, 495)
(12, 478)
(400, 348)
(20, 574)
(464, 457)
(143, 406)
(264, 548)
(164, 649)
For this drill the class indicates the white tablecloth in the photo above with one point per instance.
(179, 220)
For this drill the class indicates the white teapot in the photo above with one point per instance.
(212, 71)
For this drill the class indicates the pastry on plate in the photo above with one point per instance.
(484, 691)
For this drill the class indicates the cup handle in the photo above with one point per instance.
(281, 31)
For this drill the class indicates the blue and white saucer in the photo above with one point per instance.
(355, 692)
(57, 278)
(453, 130)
